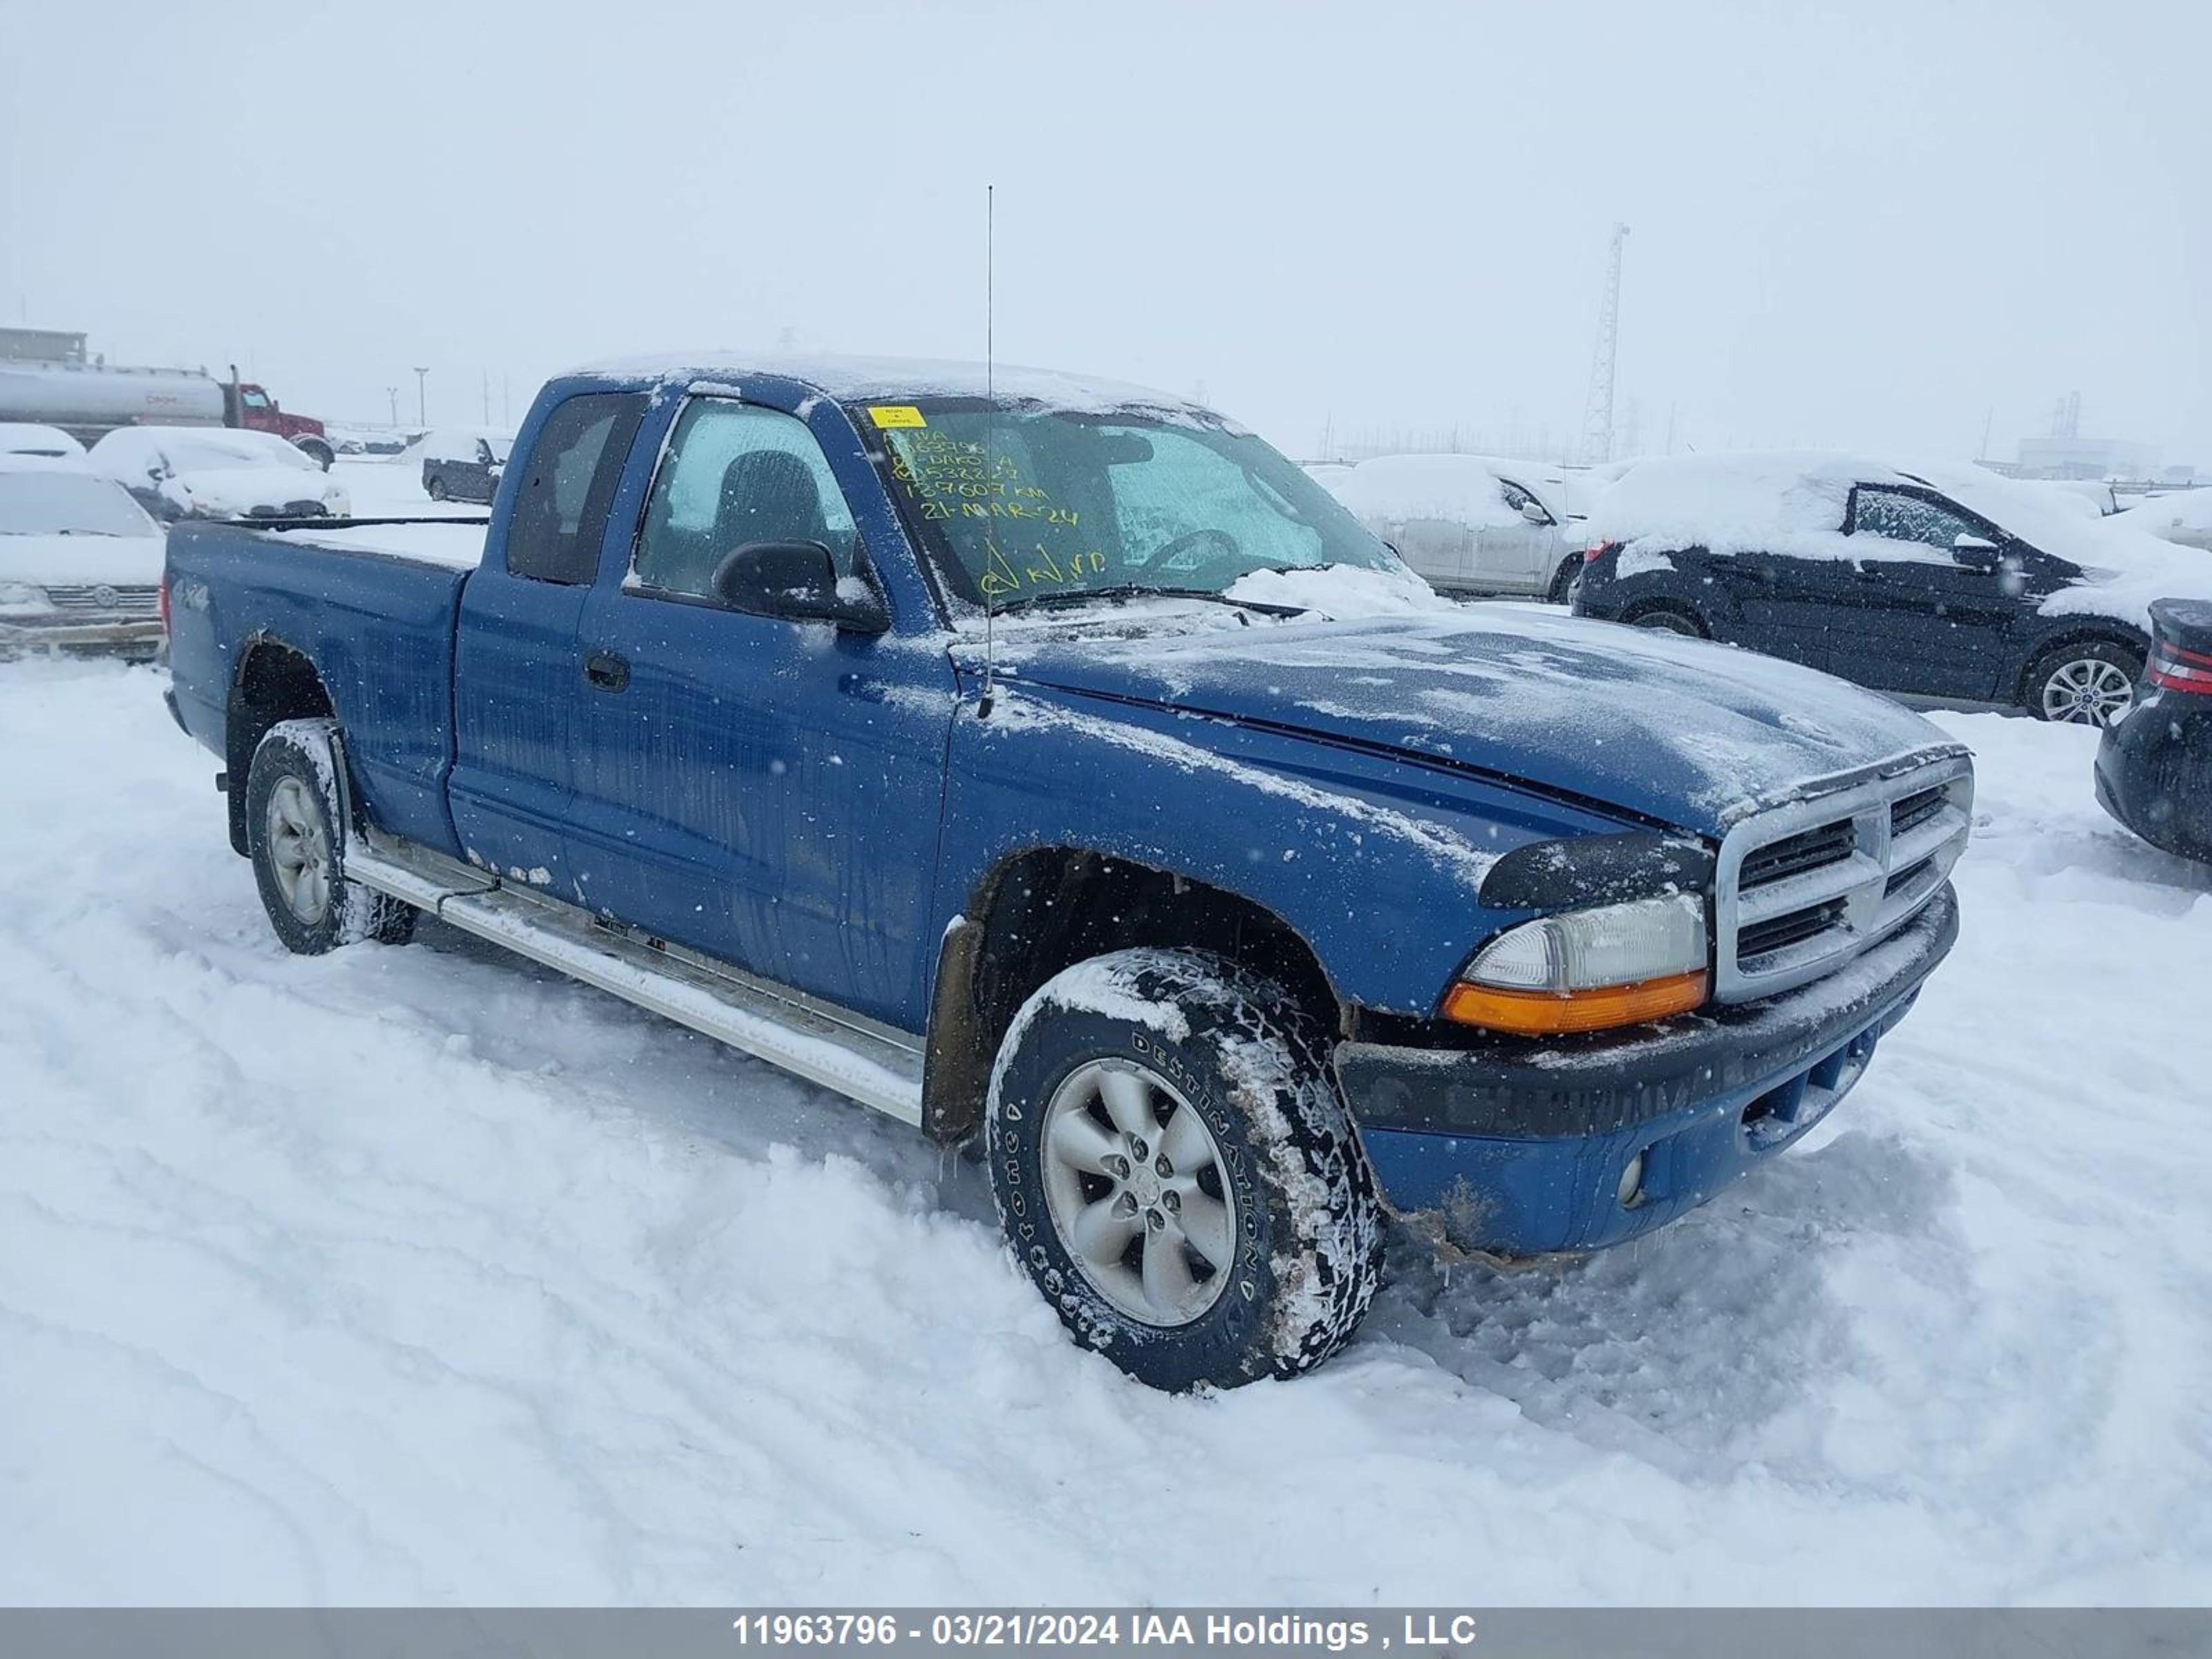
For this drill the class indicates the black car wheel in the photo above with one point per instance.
(1564, 581)
(1669, 620)
(2089, 682)
(438, 490)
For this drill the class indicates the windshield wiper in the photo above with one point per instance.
(1139, 591)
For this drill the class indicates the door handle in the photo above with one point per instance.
(606, 671)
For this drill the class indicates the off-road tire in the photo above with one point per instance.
(303, 751)
(1308, 1234)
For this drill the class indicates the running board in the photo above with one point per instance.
(846, 1052)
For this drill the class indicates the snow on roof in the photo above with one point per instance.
(1733, 503)
(2162, 515)
(30, 438)
(1792, 502)
(859, 379)
(26, 463)
(1391, 489)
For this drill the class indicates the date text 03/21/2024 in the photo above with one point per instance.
(1032, 1628)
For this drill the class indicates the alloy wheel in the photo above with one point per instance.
(299, 851)
(1137, 1192)
(2087, 691)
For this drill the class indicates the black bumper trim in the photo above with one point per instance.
(1521, 1089)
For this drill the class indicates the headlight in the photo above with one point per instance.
(22, 599)
(1588, 971)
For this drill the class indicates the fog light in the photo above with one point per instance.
(1632, 1182)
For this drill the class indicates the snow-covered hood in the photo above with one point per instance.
(1688, 734)
(2123, 569)
(69, 561)
(236, 490)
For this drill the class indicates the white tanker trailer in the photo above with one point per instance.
(45, 378)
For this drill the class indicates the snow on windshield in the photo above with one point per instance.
(58, 503)
(127, 453)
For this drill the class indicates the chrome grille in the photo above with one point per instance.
(1802, 889)
(98, 600)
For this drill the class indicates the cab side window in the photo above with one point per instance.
(736, 474)
(1897, 517)
(560, 512)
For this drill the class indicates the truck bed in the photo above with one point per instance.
(373, 606)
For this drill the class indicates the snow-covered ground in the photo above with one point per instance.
(385, 486)
(419, 1274)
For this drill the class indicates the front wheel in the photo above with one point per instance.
(1563, 581)
(2090, 683)
(294, 828)
(437, 489)
(1175, 1170)
(1667, 621)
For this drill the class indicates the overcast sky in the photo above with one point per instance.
(1853, 223)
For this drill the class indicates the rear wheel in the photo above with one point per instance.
(1175, 1170)
(2091, 683)
(1669, 620)
(295, 838)
(437, 489)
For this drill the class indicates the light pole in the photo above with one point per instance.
(421, 417)
(392, 392)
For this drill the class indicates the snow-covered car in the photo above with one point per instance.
(2183, 518)
(1467, 524)
(80, 561)
(30, 438)
(1943, 581)
(214, 472)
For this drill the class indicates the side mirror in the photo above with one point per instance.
(1534, 512)
(798, 580)
(1976, 552)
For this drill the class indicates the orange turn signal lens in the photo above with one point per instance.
(1539, 1013)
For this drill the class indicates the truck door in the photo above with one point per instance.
(762, 790)
(517, 684)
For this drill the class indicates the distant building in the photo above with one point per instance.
(2085, 458)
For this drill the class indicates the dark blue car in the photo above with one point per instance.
(1955, 586)
(1058, 767)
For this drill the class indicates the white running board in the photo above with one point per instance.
(846, 1052)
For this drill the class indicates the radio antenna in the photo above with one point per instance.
(990, 434)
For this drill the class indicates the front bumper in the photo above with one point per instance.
(134, 637)
(1517, 1147)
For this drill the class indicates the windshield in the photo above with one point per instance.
(1017, 504)
(214, 451)
(500, 449)
(68, 504)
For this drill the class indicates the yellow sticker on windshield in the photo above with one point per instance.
(890, 415)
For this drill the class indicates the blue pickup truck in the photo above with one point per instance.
(1057, 769)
